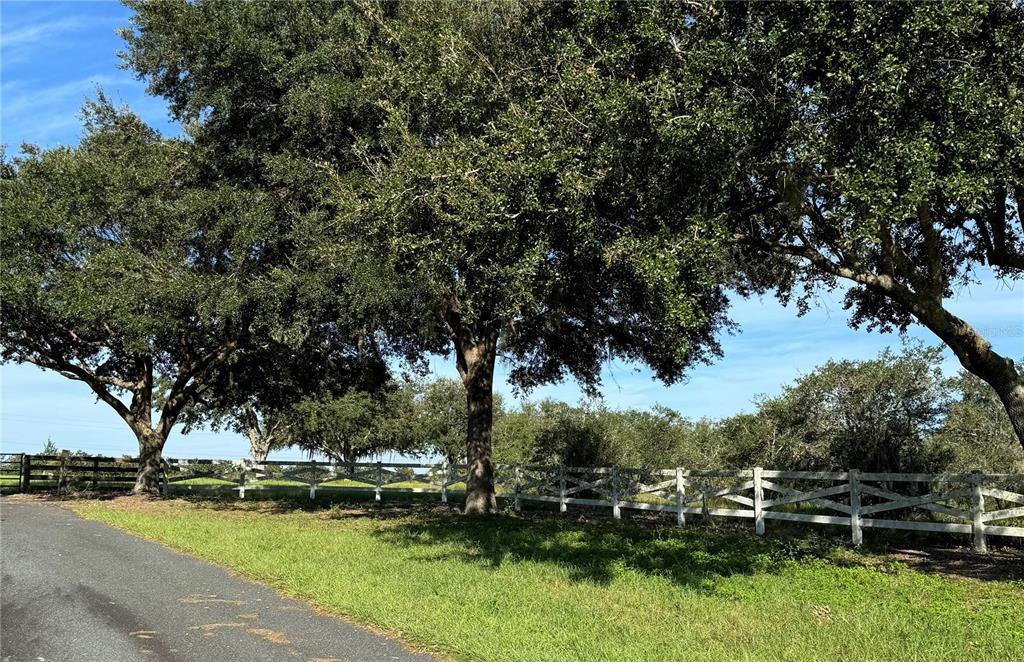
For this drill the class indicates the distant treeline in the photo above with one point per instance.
(896, 412)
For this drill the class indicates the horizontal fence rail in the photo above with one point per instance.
(975, 504)
(21, 472)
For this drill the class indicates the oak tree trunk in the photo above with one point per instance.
(1011, 393)
(147, 480)
(476, 367)
(259, 441)
(977, 357)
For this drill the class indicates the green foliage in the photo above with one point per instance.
(894, 413)
(897, 145)
(491, 202)
(440, 415)
(263, 391)
(355, 424)
(124, 268)
(875, 415)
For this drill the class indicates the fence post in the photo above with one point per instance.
(518, 487)
(62, 472)
(241, 482)
(444, 481)
(376, 489)
(758, 503)
(95, 473)
(26, 473)
(616, 512)
(312, 483)
(977, 511)
(562, 505)
(856, 534)
(680, 497)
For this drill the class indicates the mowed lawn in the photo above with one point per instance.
(511, 589)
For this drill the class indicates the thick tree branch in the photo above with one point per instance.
(883, 283)
(974, 352)
(78, 373)
(188, 385)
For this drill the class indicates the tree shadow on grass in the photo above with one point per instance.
(324, 507)
(597, 552)
(597, 549)
(696, 556)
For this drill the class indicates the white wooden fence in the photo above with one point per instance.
(974, 504)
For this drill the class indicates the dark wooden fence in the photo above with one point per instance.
(66, 472)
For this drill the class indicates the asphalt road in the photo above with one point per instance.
(80, 591)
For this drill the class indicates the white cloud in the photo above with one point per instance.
(22, 42)
(35, 34)
(48, 115)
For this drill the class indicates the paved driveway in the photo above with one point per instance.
(79, 591)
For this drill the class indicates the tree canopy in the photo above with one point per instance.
(123, 271)
(258, 392)
(452, 168)
(889, 160)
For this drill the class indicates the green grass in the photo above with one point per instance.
(201, 480)
(341, 482)
(346, 482)
(509, 589)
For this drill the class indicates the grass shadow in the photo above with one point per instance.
(698, 555)
(599, 552)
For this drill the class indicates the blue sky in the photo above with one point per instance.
(52, 58)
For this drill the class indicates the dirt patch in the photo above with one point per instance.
(212, 627)
(127, 502)
(202, 599)
(1001, 564)
(270, 635)
(22, 497)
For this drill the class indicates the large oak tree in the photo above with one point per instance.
(879, 149)
(124, 269)
(456, 163)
